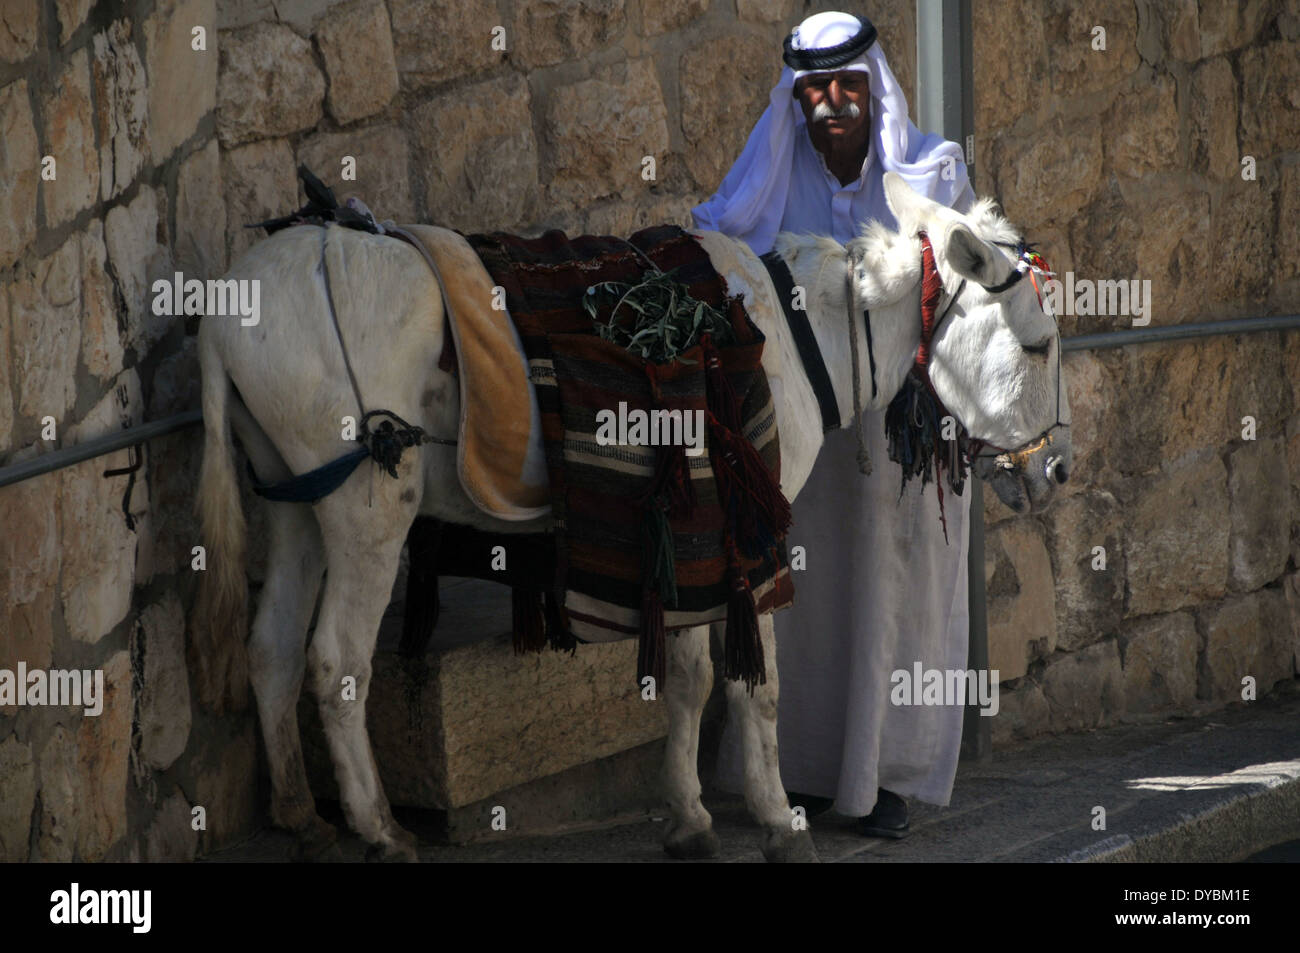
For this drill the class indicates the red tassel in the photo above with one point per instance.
(653, 652)
(743, 648)
(527, 620)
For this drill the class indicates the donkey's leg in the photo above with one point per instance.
(690, 676)
(277, 655)
(362, 546)
(277, 660)
(755, 715)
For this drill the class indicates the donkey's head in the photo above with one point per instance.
(995, 356)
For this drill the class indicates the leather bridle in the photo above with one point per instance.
(1028, 262)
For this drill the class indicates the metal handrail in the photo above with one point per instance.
(98, 446)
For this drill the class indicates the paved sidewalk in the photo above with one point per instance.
(1218, 787)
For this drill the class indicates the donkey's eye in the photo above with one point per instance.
(1042, 347)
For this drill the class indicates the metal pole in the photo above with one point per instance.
(67, 456)
(1179, 332)
(945, 104)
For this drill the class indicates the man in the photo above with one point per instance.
(882, 590)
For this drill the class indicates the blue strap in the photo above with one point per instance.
(313, 485)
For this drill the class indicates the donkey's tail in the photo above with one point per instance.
(219, 618)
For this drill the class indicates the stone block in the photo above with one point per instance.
(259, 183)
(1022, 714)
(70, 139)
(1084, 689)
(480, 156)
(1242, 226)
(1287, 257)
(1214, 120)
(1259, 492)
(600, 129)
(1270, 99)
(665, 15)
(269, 84)
(1160, 655)
(103, 756)
(182, 80)
(1021, 598)
(1056, 171)
(472, 718)
(434, 40)
(1291, 589)
(200, 246)
(1248, 635)
(1089, 601)
(225, 785)
(1142, 131)
(20, 29)
(18, 781)
(135, 237)
(19, 171)
(71, 13)
(1008, 46)
(165, 691)
(1230, 26)
(725, 83)
(775, 12)
(383, 178)
(356, 45)
(61, 803)
(30, 559)
(98, 545)
(101, 341)
(44, 306)
(6, 394)
(171, 837)
(1177, 29)
(1077, 67)
(122, 101)
(558, 31)
(1176, 545)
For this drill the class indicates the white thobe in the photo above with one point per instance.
(881, 591)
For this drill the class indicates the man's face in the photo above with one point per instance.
(829, 100)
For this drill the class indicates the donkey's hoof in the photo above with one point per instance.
(317, 841)
(790, 847)
(698, 845)
(400, 851)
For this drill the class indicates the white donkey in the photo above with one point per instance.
(283, 386)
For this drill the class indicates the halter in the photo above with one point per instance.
(925, 450)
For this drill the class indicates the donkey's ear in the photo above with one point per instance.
(971, 257)
(912, 210)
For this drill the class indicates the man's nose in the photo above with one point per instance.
(835, 93)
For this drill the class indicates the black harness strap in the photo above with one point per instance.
(809, 353)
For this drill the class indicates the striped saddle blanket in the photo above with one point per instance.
(649, 538)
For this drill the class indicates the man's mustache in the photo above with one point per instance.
(823, 111)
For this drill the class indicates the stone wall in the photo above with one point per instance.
(606, 115)
(1128, 163)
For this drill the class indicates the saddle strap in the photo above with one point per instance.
(809, 353)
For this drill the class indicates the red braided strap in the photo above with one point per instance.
(931, 288)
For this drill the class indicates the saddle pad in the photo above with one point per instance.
(595, 489)
(500, 458)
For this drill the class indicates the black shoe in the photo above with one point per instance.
(887, 819)
(812, 804)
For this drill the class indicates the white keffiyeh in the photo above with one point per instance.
(751, 201)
